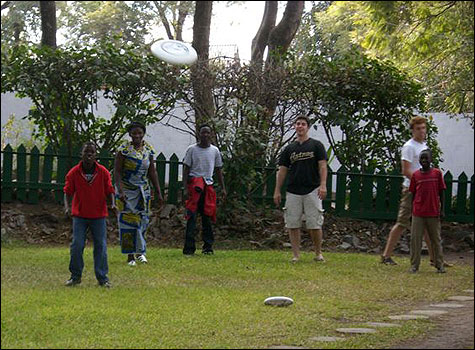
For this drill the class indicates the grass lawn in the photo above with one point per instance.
(212, 301)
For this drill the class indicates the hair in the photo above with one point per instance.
(205, 126)
(136, 124)
(88, 143)
(417, 120)
(303, 117)
(427, 150)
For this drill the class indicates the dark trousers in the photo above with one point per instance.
(208, 236)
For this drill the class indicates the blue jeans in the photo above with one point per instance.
(98, 230)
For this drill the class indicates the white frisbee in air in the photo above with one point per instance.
(174, 52)
(278, 301)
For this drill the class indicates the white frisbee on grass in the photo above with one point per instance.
(278, 301)
(174, 52)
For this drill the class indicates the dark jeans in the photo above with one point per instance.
(98, 230)
(208, 236)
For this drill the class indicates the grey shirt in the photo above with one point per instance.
(202, 161)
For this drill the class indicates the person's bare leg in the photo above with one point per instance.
(393, 238)
(317, 238)
(294, 234)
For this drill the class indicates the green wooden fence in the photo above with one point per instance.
(27, 175)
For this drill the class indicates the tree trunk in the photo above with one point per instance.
(282, 35)
(259, 43)
(200, 74)
(48, 23)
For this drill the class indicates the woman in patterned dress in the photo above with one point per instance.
(134, 166)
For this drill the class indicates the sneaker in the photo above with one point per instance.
(413, 270)
(441, 270)
(105, 284)
(387, 260)
(446, 264)
(207, 252)
(132, 263)
(142, 259)
(319, 258)
(294, 260)
(72, 282)
(189, 255)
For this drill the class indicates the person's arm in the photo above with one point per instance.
(323, 171)
(152, 175)
(186, 173)
(406, 169)
(67, 207)
(219, 172)
(281, 174)
(118, 165)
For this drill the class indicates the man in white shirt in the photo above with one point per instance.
(410, 163)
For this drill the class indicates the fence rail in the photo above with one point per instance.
(357, 195)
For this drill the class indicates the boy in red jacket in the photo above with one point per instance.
(89, 184)
(427, 186)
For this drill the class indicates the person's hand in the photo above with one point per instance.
(322, 192)
(114, 209)
(160, 200)
(277, 198)
(185, 194)
(224, 194)
(442, 214)
(122, 195)
(67, 211)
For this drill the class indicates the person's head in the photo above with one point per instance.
(136, 132)
(88, 153)
(425, 158)
(302, 125)
(418, 127)
(205, 134)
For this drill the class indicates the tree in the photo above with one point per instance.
(178, 11)
(432, 40)
(200, 74)
(64, 85)
(48, 23)
(17, 16)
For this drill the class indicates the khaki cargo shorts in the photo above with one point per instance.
(306, 207)
(405, 209)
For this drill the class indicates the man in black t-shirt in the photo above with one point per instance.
(305, 161)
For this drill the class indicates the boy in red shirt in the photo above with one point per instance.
(89, 184)
(427, 186)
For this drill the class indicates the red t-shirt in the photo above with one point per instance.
(426, 187)
(90, 197)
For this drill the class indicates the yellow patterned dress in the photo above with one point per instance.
(134, 213)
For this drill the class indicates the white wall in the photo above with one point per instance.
(456, 138)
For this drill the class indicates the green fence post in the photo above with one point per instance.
(34, 176)
(105, 158)
(340, 191)
(61, 174)
(448, 179)
(21, 173)
(355, 191)
(381, 192)
(47, 172)
(173, 180)
(7, 166)
(461, 206)
(395, 183)
(161, 164)
(367, 191)
(327, 202)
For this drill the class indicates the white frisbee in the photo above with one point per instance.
(174, 52)
(278, 301)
